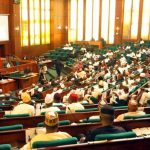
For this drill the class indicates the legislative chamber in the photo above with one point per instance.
(74, 74)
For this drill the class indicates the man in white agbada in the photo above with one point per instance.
(145, 96)
(48, 104)
(74, 104)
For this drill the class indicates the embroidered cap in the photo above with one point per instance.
(51, 118)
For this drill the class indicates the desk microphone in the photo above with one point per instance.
(73, 117)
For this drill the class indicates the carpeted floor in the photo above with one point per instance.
(51, 73)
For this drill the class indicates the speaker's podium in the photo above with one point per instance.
(23, 72)
(24, 80)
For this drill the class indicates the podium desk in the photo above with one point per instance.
(26, 80)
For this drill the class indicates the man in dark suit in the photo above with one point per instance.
(58, 67)
(107, 118)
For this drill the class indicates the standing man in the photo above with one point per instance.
(58, 66)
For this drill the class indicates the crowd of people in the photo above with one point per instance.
(110, 79)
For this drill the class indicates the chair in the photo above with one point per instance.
(120, 107)
(16, 115)
(61, 123)
(137, 117)
(94, 100)
(5, 147)
(87, 110)
(123, 135)
(67, 141)
(91, 120)
(12, 127)
(59, 112)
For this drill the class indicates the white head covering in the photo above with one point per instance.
(101, 83)
(40, 89)
(142, 75)
(48, 99)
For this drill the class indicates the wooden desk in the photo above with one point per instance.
(8, 85)
(17, 138)
(26, 80)
(95, 43)
(138, 143)
(32, 65)
(30, 122)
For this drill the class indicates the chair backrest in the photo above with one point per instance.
(61, 123)
(137, 117)
(16, 115)
(66, 141)
(5, 147)
(91, 120)
(59, 112)
(12, 127)
(87, 110)
(122, 135)
(120, 107)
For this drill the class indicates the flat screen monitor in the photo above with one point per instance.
(4, 28)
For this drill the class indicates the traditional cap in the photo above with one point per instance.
(25, 97)
(108, 110)
(133, 102)
(101, 83)
(48, 99)
(51, 118)
(33, 85)
(73, 97)
(40, 89)
(142, 75)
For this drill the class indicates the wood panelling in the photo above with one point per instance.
(15, 29)
(119, 21)
(35, 50)
(5, 45)
(4, 6)
(59, 17)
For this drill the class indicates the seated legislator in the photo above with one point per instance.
(107, 118)
(132, 111)
(25, 107)
(73, 104)
(58, 100)
(48, 104)
(144, 98)
(52, 133)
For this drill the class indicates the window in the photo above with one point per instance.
(35, 22)
(131, 18)
(145, 32)
(92, 20)
(80, 20)
(85, 20)
(108, 20)
(73, 22)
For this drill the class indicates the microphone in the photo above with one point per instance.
(73, 116)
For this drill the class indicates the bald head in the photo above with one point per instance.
(132, 106)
